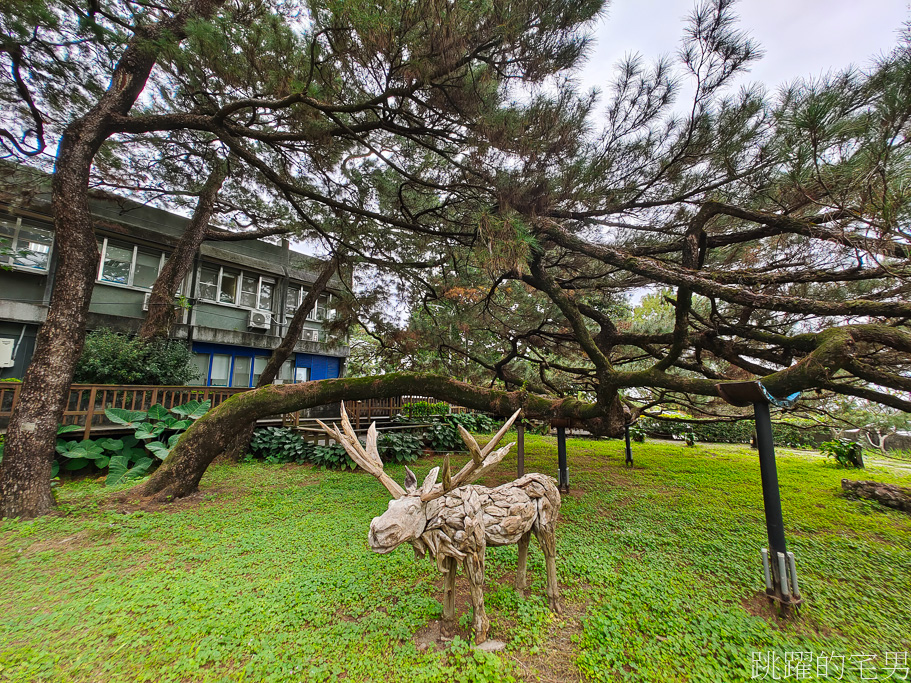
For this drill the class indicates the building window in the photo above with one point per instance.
(220, 374)
(28, 247)
(208, 283)
(229, 286)
(259, 364)
(240, 370)
(126, 264)
(323, 309)
(148, 264)
(241, 374)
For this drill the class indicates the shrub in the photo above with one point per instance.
(280, 445)
(443, 437)
(793, 433)
(424, 409)
(473, 422)
(331, 457)
(399, 447)
(845, 452)
(112, 358)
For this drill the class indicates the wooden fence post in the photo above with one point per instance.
(89, 414)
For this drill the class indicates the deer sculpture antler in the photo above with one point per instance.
(368, 458)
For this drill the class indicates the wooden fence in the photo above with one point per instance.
(87, 403)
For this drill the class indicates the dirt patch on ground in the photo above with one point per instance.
(556, 662)
(215, 496)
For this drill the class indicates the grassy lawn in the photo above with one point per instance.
(266, 576)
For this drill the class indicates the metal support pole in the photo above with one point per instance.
(769, 474)
(520, 450)
(778, 561)
(629, 450)
(563, 474)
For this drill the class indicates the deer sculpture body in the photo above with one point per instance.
(455, 522)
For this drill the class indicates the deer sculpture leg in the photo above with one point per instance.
(521, 567)
(474, 567)
(548, 541)
(449, 621)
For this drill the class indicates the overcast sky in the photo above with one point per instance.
(800, 37)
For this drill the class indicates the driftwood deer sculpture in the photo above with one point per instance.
(454, 521)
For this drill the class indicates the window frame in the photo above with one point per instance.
(17, 228)
(238, 287)
(129, 283)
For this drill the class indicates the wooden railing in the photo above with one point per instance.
(87, 403)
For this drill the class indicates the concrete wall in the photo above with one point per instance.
(22, 286)
(118, 301)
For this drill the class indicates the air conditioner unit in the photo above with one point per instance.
(6, 353)
(258, 320)
(145, 301)
(310, 335)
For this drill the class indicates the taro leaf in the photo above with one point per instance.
(111, 444)
(102, 462)
(92, 449)
(181, 425)
(192, 410)
(75, 464)
(128, 418)
(133, 454)
(64, 447)
(87, 449)
(168, 422)
(147, 431)
(173, 439)
(158, 412)
(66, 429)
(129, 441)
(55, 469)
(158, 449)
(119, 470)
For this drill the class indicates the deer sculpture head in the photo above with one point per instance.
(411, 507)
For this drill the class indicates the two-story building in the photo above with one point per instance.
(238, 298)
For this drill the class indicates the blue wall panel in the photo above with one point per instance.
(321, 367)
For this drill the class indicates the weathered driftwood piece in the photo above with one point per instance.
(890, 495)
(454, 521)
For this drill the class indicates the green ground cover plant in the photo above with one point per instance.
(266, 576)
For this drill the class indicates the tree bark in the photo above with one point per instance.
(162, 314)
(181, 472)
(890, 495)
(25, 473)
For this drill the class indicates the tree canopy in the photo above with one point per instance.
(446, 151)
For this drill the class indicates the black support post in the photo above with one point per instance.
(629, 450)
(778, 565)
(774, 521)
(563, 474)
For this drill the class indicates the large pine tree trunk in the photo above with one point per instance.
(180, 474)
(162, 314)
(25, 473)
